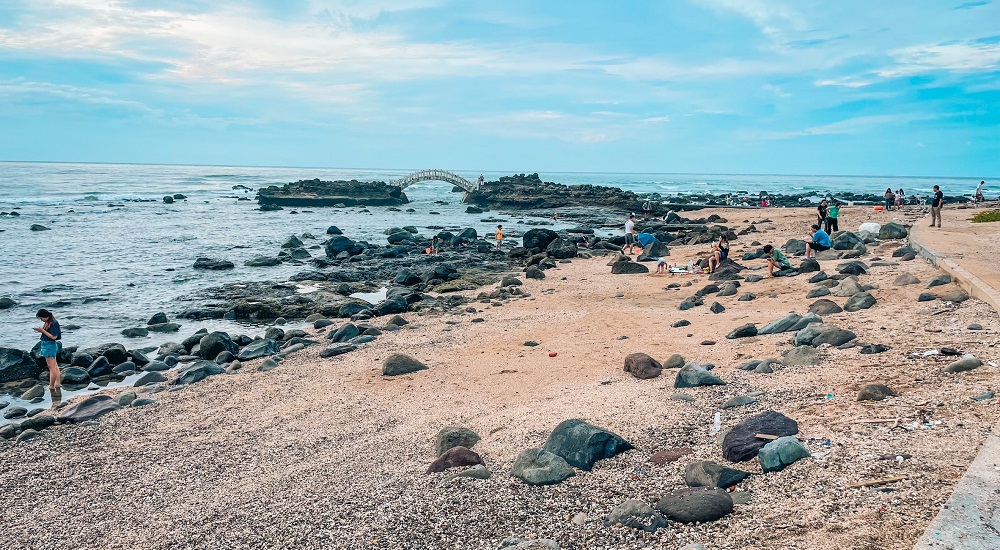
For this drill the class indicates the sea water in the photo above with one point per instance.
(107, 264)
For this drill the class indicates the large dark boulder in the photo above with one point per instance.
(891, 231)
(538, 238)
(741, 443)
(628, 268)
(582, 444)
(345, 333)
(846, 240)
(653, 251)
(88, 408)
(259, 348)
(215, 343)
(340, 243)
(397, 364)
(695, 505)
(561, 249)
(705, 473)
(197, 372)
(213, 265)
(642, 366)
(17, 365)
(455, 436)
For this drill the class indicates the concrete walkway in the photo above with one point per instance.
(970, 519)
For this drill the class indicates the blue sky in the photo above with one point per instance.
(723, 86)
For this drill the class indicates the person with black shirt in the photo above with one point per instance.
(50, 336)
(936, 203)
(822, 212)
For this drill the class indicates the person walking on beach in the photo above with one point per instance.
(775, 258)
(832, 216)
(630, 234)
(936, 203)
(647, 209)
(978, 197)
(890, 198)
(720, 251)
(820, 241)
(499, 236)
(51, 334)
(900, 197)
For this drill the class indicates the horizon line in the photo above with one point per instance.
(981, 178)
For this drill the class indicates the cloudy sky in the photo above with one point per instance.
(717, 86)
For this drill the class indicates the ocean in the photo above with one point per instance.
(107, 263)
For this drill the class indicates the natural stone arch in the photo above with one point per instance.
(435, 175)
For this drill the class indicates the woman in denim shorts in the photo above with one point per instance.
(51, 334)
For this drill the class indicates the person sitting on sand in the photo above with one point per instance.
(499, 236)
(630, 235)
(661, 265)
(820, 242)
(775, 258)
(720, 251)
(50, 336)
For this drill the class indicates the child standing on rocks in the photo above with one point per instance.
(499, 236)
(50, 336)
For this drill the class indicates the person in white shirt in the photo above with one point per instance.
(979, 192)
(630, 234)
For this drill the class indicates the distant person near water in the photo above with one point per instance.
(900, 198)
(764, 201)
(775, 258)
(832, 217)
(51, 334)
(979, 197)
(630, 234)
(890, 198)
(647, 209)
(479, 182)
(820, 241)
(936, 203)
(720, 251)
(435, 245)
(499, 236)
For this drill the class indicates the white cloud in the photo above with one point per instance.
(853, 125)
(768, 15)
(956, 57)
(845, 81)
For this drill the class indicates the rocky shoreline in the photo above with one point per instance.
(338, 193)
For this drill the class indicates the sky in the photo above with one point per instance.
(701, 86)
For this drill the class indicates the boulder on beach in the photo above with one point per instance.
(561, 249)
(966, 363)
(801, 356)
(789, 323)
(938, 280)
(582, 444)
(455, 457)
(906, 279)
(695, 505)
(891, 231)
(642, 366)
(16, 365)
(875, 392)
(957, 296)
(211, 345)
(636, 514)
(628, 268)
(781, 453)
(538, 238)
(824, 307)
(744, 331)
(398, 364)
(197, 372)
(861, 300)
(259, 348)
(540, 467)
(705, 473)
(454, 436)
(88, 408)
(741, 442)
(693, 375)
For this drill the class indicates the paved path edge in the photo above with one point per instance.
(970, 518)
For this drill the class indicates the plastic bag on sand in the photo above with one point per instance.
(870, 229)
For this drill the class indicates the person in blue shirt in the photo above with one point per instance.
(820, 242)
(50, 336)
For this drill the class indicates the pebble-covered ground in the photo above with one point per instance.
(328, 453)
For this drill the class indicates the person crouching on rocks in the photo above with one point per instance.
(50, 336)
(720, 251)
(499, 236)
(775, 258)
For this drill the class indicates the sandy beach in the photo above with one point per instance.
(328, 453)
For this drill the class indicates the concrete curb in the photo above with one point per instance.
(970, 519)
